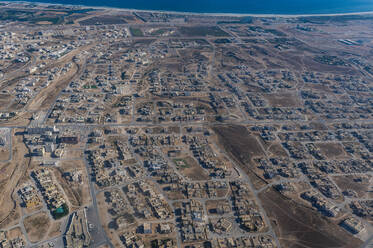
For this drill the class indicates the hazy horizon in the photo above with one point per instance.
(233, 6)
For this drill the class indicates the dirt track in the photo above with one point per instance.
(48, 95)
(298, 226)
(18, 167)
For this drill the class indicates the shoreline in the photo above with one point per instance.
(193, 13)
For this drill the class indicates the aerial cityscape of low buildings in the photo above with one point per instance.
(129, 128)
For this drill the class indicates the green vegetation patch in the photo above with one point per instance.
(136, 32)
(31, 16)
(222, 41)
(329, 60)
(80, 11)
(159, 31)
(243, 20)
(203, 31)
(181, 163)
(341, 19)
(60, 212)
(52, 20)
(93, 86)
(35, 16)
(129, 218)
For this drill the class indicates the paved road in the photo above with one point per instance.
(98, 234)
(9, 141)
(368, 243)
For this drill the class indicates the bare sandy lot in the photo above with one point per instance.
(37, 226)
(298, 226)
(359, 184)
(54, 230)
(77, 193)
(10, 178)
(332, 150)
(283, 100)
(277, 150)
(191, 169)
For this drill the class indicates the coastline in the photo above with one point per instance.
(193, 13)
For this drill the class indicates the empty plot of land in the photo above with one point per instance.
(77, 193)
(15, 233)
(358, 184)
(104, 20)
(5, 99)
(23, 119)
(202, 31)
(331, 150)
(241, 146)
(54, 230)
(212, 206)
(37, 226)
(277, 150)
(312, 65)
(11, 219)
(283, 100)
(190, 168)
(238, 141)
(4, 154)
(73, 154)
(298, 226)
(137, 32)
(11, 174)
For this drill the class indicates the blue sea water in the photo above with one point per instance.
(233, 6)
